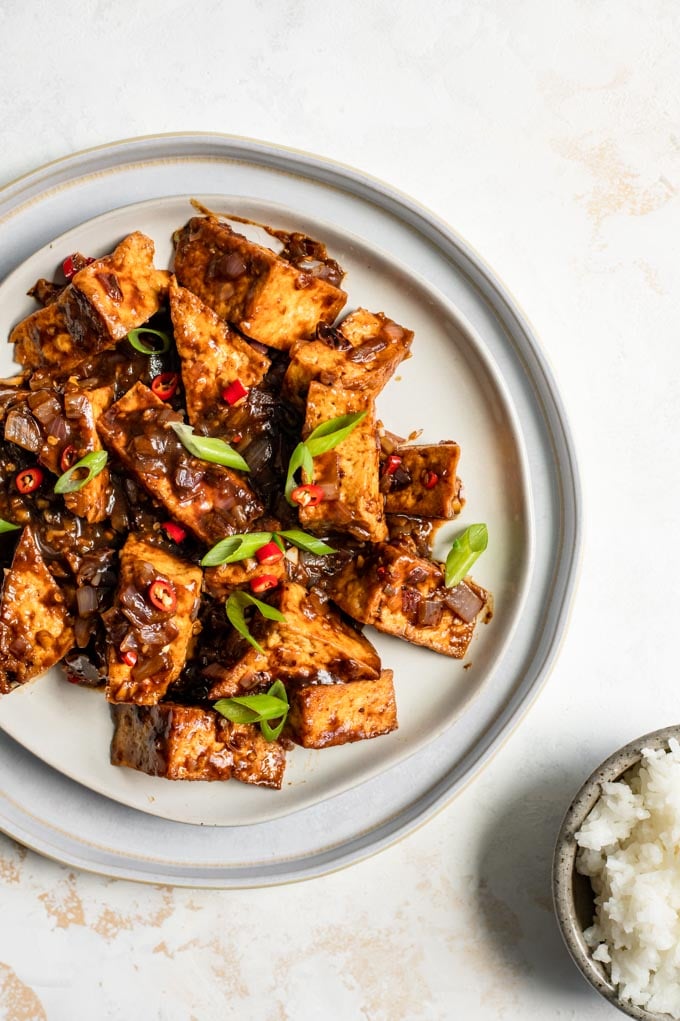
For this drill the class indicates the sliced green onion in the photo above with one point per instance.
(258, 709)
(296, 537)
(463, 553)
(237, 603)
(235, 548)
(71, 482)
(146, 349)
(7, 526)
(329, 434)
(300, 458)
(209, 448)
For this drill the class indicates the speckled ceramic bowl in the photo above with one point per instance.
(572, 892)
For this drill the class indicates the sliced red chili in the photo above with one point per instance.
(391, 464)
(165, 385)
(235, 392)
(129, 657)
(307, 496)
(28, 480)
(72, 264)
(174, 531)
(69, 456)
(429, 479)
(162, 595)
(270, 553)
(263, 582)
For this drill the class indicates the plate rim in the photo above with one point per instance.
(494, 293)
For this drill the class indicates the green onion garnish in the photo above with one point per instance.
(209, 448)
(7, 526)
(296, 537)
(146, 349)
(258, 709)
(235, 548)
(325, 437)
(71, 481)
(463, 553)
(237, 603)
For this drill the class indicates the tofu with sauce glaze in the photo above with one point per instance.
(189, 743)
(156, 640)
(353, 466)
(360, 354)
(35, 627)
(209, 499)
(103, 302)
(213, 356)
(402, 594)
(312, 643)
(266, 297)
(425, 484)
(322, 715)
(83, 410)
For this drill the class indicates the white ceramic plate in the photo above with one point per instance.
(475, 374)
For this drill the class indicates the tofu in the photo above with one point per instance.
(322, 715)
(266, 297)
(353, 465)
(213, 356)
(220, 582)
(211, 500)
(84, 410)
(414, 490)
(154, 635)
(361, 354)
(189, 743)
(103, 302)
(313, 644)
(35, 627)
(387, 588)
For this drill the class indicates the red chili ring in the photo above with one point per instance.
(129, 657)
(307, 496)
(174, 531)
(270, 553)
(28, 480)
(263, 582)
(391, 464)
(162, 595)
(234, 392)
(68, 458)
(165, 385)
(429, 479)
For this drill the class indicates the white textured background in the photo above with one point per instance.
(548, 134)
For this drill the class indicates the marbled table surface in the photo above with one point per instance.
(548, 134)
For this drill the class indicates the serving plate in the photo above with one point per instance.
(476, 376)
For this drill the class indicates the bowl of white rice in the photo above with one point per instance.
(616, 877)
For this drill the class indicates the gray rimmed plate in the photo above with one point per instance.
(504, 409)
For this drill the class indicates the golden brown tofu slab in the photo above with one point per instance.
(313, 643)
(103, 302)
(35, 627)
(83, 410)
(189, 743)
(322, 715)
(213, 357)
(425, 482)
(353, 467)
(404, 595)
(209, 499)
(151, 622)
(361, 354)
(266, 297)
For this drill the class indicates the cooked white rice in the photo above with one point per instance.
(630, 849)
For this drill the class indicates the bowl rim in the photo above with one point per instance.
(564, 859)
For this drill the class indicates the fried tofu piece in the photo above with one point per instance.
(313, 643)
(189, 743)
(322, 715)
(213, 356)
(35, 628)
(353, 466)
(155, 639)
(211, 500)
(84, 408)
(404, 595)
(266, 297)
(220, 582)
(361, 354)
(103, 302)
(426, 483)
